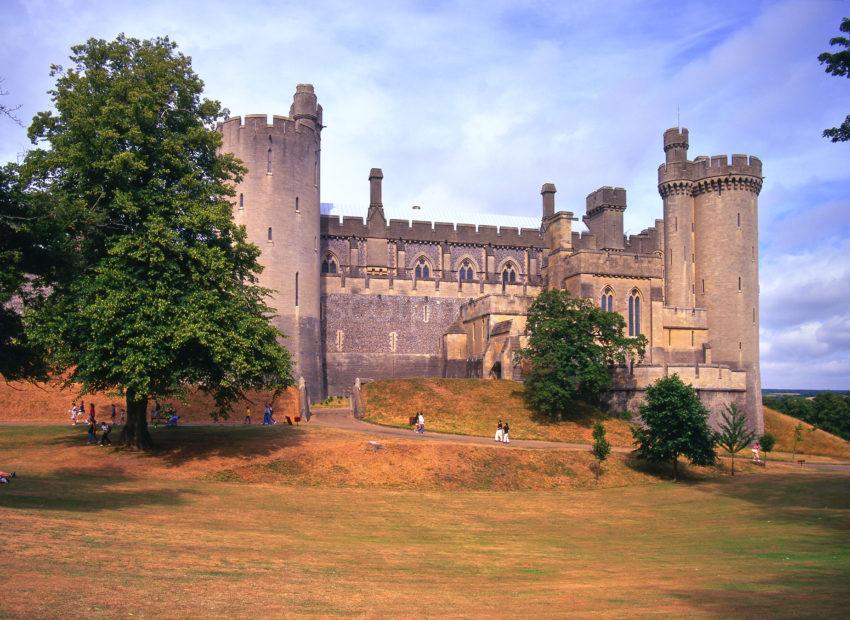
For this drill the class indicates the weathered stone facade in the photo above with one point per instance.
(374, 298)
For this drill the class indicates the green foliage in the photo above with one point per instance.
(767, 442)
(162, 291)
(572, 345)
(827, 410)
(601, 448)
(838, 64)
(733, 435)
(674, 423)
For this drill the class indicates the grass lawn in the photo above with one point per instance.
(474, 407)
(229, 521)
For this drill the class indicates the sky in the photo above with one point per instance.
(473, 106)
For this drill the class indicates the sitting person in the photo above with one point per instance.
(172, 421)
(5, 476)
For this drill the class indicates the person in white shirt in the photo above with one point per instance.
(421, 421)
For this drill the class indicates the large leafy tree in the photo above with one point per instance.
(572, 346)
(163, 292)
(674, 423)
(838, 64)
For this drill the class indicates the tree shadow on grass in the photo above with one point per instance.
(181, 444)
(802, 593)
(687, 474)
(69, 490)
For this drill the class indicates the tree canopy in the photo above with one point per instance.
(160, 291)
(838, 64)
(674, 423)
(571, 346)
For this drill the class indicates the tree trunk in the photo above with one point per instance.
(733, 463)
(676, 467)
(135, 432)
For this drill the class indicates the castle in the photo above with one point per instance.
(379, 297)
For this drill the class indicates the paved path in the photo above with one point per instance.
(342, 419)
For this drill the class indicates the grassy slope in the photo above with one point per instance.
(92, 532)
(473, 407)
(815, 441)
(47, 402)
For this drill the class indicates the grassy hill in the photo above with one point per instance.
(474, 407)
(815, 441)
(23, 402)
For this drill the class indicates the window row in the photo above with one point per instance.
(633, 318)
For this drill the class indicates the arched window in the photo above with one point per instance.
(608, 300)
(329, 264)
(509, 274)
(269, 161)
(269, 233)
(296, 205)
(423, 269)
(241, 201)
(426, 314)
(296, 288)
(634, 313)
(466, 273)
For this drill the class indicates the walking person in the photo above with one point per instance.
(499, 432)
(113, 414)
(73, 413)
(506, 429)
(123, 416)
(247, 415)
(91, 412)
(92, 432)
(420, 421)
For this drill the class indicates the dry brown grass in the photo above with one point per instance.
(815, 441)
(474, 407)
(92, 532)
(48, 403)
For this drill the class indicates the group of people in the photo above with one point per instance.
(6, 476)
(268, 415)
(78, 412)
(503, 431)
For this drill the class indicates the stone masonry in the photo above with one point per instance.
(372, 298)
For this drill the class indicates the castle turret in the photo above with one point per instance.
(278, 202)
(604, 217)
(558, 232)
(675, 186)
(726, 270)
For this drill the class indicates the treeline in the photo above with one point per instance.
(827, 411)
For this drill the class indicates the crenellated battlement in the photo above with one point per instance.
(434, 232)
(605, 197)
(743, 172)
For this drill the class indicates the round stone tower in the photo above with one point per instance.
(675, 186)
(278, 202)
(726, 269)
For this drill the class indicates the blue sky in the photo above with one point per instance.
(473, 106)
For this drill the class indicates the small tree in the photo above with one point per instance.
(767, 441)
(734, 435)
(838, 64)
(601, 448)
(571, 346)
(798, 438)
(674, 423)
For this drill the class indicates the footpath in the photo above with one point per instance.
(342, 419)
